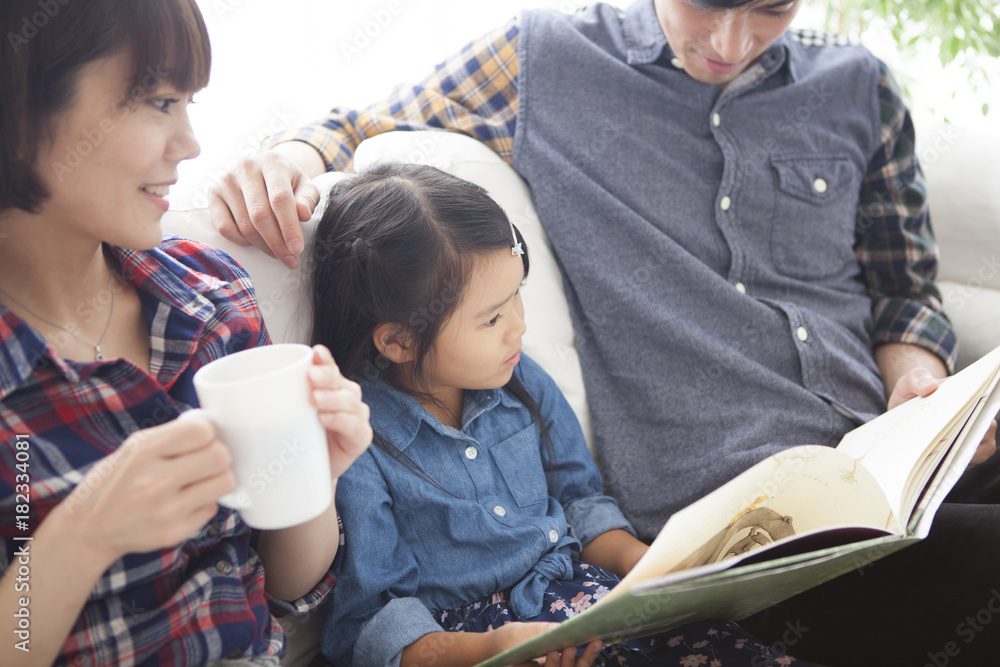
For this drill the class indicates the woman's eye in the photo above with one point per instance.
(163, 103)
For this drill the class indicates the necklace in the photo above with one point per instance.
(97, 348)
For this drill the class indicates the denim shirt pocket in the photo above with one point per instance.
(815, 212)
(520, 462)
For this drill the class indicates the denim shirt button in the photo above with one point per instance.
(676, 62)
(499, 511)
(471, 453)
(802, 334)
(553, 536)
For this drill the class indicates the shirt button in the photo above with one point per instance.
(499, 511)
(224, 567)
(553, 536)
(716, 119)
(802, 334)
(214, 530)
(741, 288)
(819, 185)
(725, 203)
(471, 453)
(676, 62)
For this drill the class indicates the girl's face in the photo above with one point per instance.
(480, 343)
(113, 154)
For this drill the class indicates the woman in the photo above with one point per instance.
(114, 547)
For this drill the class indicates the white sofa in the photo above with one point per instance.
(963, 173)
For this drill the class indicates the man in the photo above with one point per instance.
(770, 179)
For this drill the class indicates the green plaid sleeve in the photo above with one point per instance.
(895, 242)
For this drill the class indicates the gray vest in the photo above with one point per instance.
(706, 241)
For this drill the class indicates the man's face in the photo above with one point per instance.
(716, 45)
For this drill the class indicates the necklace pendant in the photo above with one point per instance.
(97, 353)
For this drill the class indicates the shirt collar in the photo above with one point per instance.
(646, 42)
(154, 272)
(397, 416)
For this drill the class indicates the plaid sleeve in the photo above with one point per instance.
(895, 242)
(474, 93)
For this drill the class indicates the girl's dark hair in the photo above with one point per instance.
(397, 244)
(47, 42)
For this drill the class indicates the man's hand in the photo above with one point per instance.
(263, 201)
(920, 382)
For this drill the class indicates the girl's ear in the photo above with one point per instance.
(394, 341)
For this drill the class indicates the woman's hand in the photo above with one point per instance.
(157, 490)
(341, 411)
(263, 201)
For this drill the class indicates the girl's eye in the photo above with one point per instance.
(494, 320)
(163, 104)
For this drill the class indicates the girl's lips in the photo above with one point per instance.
(513, 360)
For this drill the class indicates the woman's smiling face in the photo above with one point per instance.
(111, 156)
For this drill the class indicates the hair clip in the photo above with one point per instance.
(515, 249)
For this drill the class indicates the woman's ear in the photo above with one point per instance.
(394, 341)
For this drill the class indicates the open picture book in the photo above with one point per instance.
(795, 520)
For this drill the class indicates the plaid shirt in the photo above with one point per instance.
(475, 93)
(201, 600)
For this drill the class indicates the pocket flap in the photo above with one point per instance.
(816, 178)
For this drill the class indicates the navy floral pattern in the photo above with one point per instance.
(708, 644)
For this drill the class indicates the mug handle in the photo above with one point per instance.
(238, 498)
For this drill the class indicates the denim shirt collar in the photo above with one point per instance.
(646, 43)
(397, 416)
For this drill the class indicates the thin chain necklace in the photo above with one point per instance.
(97, 348)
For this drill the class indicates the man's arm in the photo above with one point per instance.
(898, 252)
(264, 199)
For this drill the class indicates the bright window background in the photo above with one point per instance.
(278, 65)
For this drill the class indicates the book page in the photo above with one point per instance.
(913, 437)
(798, 492)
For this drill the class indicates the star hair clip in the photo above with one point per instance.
(515, 249)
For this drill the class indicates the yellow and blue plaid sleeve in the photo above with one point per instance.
(474, 93)
(895, 242)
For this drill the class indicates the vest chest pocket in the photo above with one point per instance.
(520, 462)
(816, 201)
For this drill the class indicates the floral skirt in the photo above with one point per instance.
(709, 644)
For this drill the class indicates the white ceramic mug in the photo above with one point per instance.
(258, 400)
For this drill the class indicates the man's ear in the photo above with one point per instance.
(394, 341)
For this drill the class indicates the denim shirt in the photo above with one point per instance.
(495, 518)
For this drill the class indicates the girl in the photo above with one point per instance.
(114, 551)
(480, 505)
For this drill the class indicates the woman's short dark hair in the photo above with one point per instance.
(47, 42)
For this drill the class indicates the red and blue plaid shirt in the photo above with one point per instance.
(201, 600)
(476, 93)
